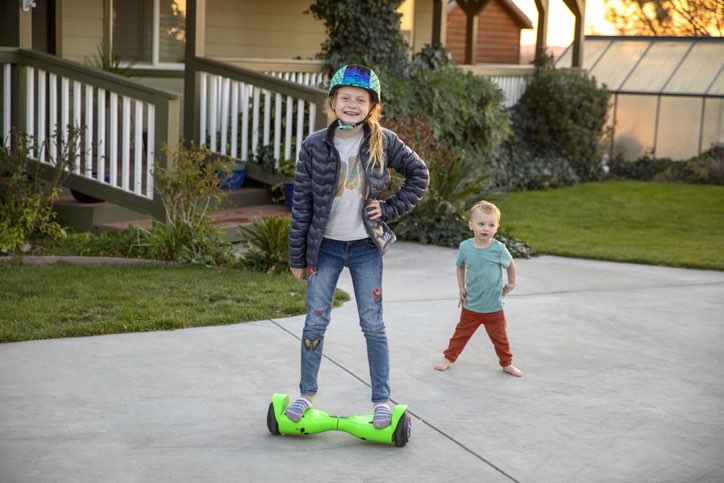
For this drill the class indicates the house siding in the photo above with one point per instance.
(498, 36)
(269, 29)
(82, 27)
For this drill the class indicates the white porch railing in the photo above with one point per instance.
(511, 79)
(122, 124)
(241, 110)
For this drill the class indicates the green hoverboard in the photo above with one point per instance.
(315, 421)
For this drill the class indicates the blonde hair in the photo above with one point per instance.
(376, 152)
(485, 207)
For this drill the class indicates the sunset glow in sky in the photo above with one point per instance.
(561, 22)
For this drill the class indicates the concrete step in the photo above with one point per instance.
(234, 208)
(228, 220)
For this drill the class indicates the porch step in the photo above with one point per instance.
(228, 220)
(235, 208)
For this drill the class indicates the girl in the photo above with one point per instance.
(337, 222)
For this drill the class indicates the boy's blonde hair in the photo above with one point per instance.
(485, 207)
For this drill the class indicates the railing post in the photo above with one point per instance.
(18, 114)
(320, 121)
(195, 25)
(167, 128)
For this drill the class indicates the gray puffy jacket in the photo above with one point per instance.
(315, 184)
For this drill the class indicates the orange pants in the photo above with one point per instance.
(494, 323)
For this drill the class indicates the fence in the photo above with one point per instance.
(241, 109)
(511, 79)
(123, 125)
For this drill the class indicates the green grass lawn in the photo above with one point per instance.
(61, 300)
(678, 225)
(654, 223)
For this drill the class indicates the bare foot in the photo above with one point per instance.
(443, 365)
(511, 369)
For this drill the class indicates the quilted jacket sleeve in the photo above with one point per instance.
(406, 162)
(302, 210)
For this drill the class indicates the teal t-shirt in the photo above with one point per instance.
(484, 275)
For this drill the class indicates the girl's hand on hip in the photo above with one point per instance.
(298, 273)
(374, 210)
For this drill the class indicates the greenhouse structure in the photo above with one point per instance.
(667, 93)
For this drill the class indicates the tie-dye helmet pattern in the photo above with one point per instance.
(357, 76)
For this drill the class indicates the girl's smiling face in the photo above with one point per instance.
(352, 104)
(484, 226)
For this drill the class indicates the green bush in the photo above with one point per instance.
(459, 106)
(362, 32)
(519, 168)
(26, 204)
(644, 168)
(187, 188)
(705, 168)
(563, 113)
(267, 244)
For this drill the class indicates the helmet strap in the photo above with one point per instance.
(341, 125)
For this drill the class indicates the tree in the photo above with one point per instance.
(698, 18)
(362, 32)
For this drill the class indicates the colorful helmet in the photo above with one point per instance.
(357, 76)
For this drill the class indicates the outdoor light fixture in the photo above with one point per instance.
(27, 4)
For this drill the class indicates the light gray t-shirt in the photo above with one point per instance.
(345, 221)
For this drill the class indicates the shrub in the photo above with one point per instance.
(187, 188)
(644, 168)
(267, 244)
(365, 33)
(563, 111)
(519, 168)
(459, 106)
(26, 205)
(705, 168)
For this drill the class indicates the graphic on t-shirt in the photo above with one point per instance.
(350, 177)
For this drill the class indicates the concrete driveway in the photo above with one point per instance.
(624, 382)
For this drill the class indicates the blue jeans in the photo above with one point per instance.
(364, 262)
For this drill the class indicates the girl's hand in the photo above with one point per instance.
(374, 210)
(298, 273)
(507, 288)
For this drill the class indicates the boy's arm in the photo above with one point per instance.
(461, 285)
(511, 273)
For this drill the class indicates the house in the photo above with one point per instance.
(235, 75)
(498, 33)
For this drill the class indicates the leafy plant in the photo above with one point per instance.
(521, 168)
(362, 32)
(26, 204)
(187, 188)
(108, 62)
(705, 168)
(563, 112)
(267, 244)
(458, 105)
(264, 157)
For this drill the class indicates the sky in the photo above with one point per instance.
(561, 21)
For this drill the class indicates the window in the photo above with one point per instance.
(150, 32)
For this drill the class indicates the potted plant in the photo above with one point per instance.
(233, 176)
(288, 168)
